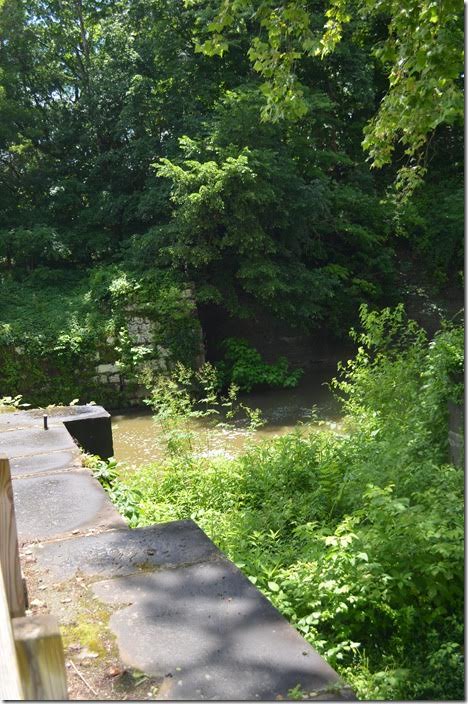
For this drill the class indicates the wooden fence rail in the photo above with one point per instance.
(32, 664)
(9, 555)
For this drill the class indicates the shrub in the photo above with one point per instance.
(356, 538)
(243, 365)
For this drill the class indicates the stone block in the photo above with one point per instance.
(54, 505)
(45, 462)
(212, 635)
(106, 369)
(34, 440)
(92, 431)
(124, 552)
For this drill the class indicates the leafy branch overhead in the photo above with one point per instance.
(419, 44)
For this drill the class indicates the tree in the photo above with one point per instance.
(282, 215)
(91, 94)
(269, 217)
(420, 49)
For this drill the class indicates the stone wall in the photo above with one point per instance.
(155, 358)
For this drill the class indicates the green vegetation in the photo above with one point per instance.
(169, 170)
(357, 538)
(186, 395)
(418, 45)
(76, 320)
(243, 366)
(133, 161)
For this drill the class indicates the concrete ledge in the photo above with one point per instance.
(123, 552)
(186, 615)
(33, 441)
(89, 426)
(52, 505)
(212, 635)
(180, 610)
(93, 433)
(60, 460)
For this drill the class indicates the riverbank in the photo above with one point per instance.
(356, 538)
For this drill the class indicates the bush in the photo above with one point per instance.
(356, 538)
(243, 366)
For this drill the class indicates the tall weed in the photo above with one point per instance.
(358, 538)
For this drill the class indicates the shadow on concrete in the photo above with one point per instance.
(213, 635)
(51, 505)
(122, 552)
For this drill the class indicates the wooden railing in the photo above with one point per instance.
(32, 664)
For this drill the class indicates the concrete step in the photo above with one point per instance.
(183, 613)
(49, 506)
(177, 608)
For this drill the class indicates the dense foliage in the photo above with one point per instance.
(57, 326)
(418, 44)
(357, 538)
(122, 144)
(243, 366)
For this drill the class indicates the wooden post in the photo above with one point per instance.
(40, 656)
(9, 555)
(10, 680)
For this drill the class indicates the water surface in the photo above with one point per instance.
(139, 439)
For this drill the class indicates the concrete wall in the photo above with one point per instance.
(274, 338)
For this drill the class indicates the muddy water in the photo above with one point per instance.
(138, 439)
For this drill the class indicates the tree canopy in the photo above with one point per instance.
(418, 44)
(122, 142)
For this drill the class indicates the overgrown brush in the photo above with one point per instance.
(358, 538)
(243, 365)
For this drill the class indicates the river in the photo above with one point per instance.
(139, 440)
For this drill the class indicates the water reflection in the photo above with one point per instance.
(138, 438)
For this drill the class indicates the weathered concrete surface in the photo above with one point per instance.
(93, 434)
(62, 414)
(183, 613)
(54, 496)
(16, 419)
(50, 506)
(122, 552)
(180, 610)
(60, 460)
(29, 441)
(89, 426)
(212, 635)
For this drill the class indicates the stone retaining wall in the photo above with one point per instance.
(162, 600)
(155, 358)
